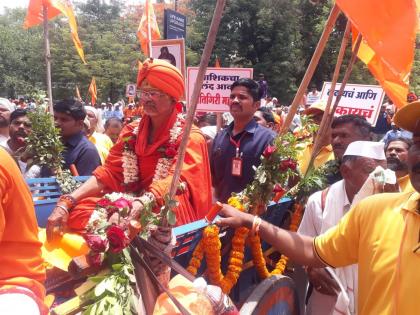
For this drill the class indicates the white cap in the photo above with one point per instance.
(209, 131)
(369, 149)
(5, 103)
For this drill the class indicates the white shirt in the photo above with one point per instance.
(315, 221)
(33, 172)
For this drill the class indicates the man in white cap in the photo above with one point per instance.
(323, 210)
(380, 234)
(6, 108)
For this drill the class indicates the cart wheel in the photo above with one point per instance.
(274, 296)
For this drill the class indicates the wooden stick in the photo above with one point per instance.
(311, 68)
(340, 92)
(47, 58)
(324, 126)
(205, 57)
(348, 71)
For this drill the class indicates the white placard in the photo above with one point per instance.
(215, 92)
(358, 99)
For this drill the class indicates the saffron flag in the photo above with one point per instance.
(35, 17)
(148, 20)
(93, 91)
(217, 63)
(388, 28)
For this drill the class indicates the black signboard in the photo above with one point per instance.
(175, 25)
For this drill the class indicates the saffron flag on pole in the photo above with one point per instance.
(147, 23)
(217, 63)
(35, 17)
(93, 91)
(388, 28)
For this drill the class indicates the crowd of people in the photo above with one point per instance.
(370, 241)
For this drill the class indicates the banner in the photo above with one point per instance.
(215, 92)
(357, 99)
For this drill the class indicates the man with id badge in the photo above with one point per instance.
(239, 146)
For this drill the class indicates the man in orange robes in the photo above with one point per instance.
(21, 266)
(154, 141)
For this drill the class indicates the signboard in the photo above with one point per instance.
(175, 24)
(358, 99)
(215, 92)
(131, 90)
(171, 50)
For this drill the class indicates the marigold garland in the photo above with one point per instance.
(210, 246)
(257, 253)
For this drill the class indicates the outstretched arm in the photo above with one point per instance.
(298, 247)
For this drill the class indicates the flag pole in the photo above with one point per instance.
(326, 118)
(47, 57)
(328, 122)
(205, 58)
(335, 11)
(149, 30)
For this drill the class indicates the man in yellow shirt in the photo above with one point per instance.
(381, 234)
(396, 152)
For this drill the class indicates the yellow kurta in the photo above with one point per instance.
(405, 184)
(381, 234)
(326, 154)
(102, 143)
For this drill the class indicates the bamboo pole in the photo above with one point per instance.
(335, 11)
(325, 122)
(338, 98)
(47, 58)
(149, 30)
(205, 58)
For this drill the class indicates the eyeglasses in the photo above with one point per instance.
(151, 94)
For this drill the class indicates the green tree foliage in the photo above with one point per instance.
(274, 37)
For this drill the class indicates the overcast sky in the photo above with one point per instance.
(24, 3)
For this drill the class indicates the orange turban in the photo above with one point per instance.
(163, 76)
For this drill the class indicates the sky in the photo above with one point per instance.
(24, 3)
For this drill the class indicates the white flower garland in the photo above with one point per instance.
(130, 163)
(165, 163)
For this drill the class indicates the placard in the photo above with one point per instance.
(215, 91)
(171, 50)
(175, 24)
(130, 90)
(358, 99)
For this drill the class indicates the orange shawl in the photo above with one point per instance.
(193, 203)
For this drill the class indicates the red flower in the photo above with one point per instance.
(278, 189)
(269, 150)
(117, 239)
(96, 243)
(122, 203)
(287, 164)
(170, 152)
(104, 202)
(96, 259)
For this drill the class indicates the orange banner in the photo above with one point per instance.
(389, 30)
(148, 18)
(35, 17)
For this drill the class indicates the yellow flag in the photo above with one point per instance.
(34, 17)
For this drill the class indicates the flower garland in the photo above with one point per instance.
(210, 246)
(169, 151)
(257, 253)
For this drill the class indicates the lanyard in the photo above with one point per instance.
(237, 144)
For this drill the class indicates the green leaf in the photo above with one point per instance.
(171, 217)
